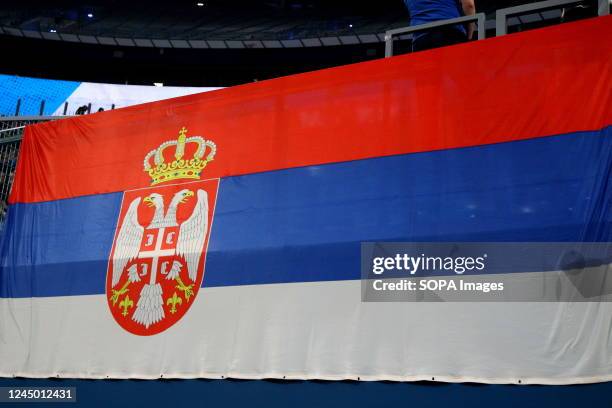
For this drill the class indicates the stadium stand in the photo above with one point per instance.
(222, 43)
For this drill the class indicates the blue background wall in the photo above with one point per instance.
(319, 394)
(32, 91)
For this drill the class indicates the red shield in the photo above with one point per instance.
(157, 261)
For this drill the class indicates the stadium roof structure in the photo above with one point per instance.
(228, 20)
(218, 24)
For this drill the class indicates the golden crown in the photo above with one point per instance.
(180, 168)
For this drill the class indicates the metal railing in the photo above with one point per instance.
(501, 15)
(478, 17)
(41, 110)
(11, 133)
(501, 19)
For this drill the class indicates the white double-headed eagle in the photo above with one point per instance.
(189, 245)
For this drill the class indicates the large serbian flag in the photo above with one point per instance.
(218, 235)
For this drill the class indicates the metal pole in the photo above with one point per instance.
(17, 107)
(480, 22)
(501, 27)
(65, 108)
(388, 46)
(42, 107)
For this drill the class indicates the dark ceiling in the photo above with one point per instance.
(223, 20)
(214, 19)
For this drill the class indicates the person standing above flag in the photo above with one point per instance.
(428, 11)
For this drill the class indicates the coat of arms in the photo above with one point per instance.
(157, 261)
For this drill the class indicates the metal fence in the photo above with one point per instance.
(79, 110)
(502, 17)
(11, 133)
(479, 18)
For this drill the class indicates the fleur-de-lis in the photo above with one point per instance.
(187, 289)
(117, 293)
(173, 301)
(125, 304)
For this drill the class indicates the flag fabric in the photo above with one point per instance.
(218, 235)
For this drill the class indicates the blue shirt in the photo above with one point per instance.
(426, 11)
